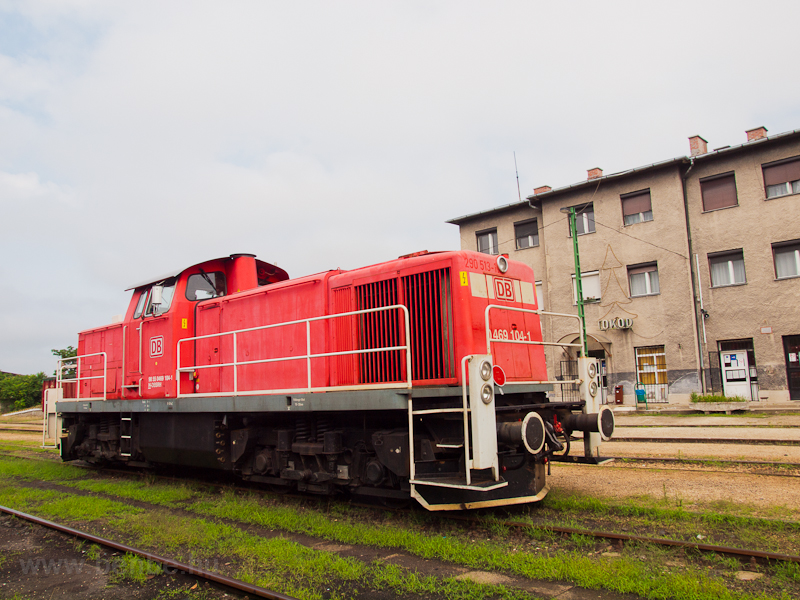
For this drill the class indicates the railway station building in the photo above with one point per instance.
(690, 269)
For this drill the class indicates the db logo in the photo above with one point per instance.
(156, 346)
(504, 289)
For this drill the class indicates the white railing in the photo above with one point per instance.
(495, 340)
(62, 366)
(308, 357)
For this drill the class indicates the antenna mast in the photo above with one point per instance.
(517, 170)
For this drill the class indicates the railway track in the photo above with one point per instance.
(479, 522)
(185, 568)
(737, 441)
(624, 537)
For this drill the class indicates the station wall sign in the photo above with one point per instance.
(616, 323)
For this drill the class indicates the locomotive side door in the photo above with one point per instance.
(133, 349)
(157, 342)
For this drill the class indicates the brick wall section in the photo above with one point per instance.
(697, 145)
(756, 134)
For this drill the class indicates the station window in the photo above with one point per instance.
(727, 268)
(202, 286)
(590, 283)
(539, 296)
(584, 219)
(782, 178)
(487, 241)
(719, 191)
(787, 259)
(651, 372)
(644, 280)
(637, 207)
(526, 234)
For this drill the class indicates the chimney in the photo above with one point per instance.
(697, 145)
(759, 133)
(542, 190)
(595, 173)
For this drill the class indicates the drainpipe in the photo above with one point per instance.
(694, 271)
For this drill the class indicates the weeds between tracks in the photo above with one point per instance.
(250, 530)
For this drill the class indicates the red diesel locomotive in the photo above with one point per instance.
(422, 377)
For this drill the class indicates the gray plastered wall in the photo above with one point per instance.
(670, 318)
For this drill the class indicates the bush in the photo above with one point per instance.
(23, 390)
(714, 398)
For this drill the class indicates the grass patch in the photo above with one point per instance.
(714, 514)
(695, 397)
(57, 505)
(134, 568)
(84, 508)
(39, 470)
(288, 567)
(23, 499)
(144, 491)
(627, 574)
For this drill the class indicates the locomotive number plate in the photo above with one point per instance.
(514, 334)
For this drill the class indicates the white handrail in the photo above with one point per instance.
(307, 356)
(490, 339)
(61, 367)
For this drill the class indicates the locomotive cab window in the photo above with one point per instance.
(140, 304)
(202, 286)
(158, 306)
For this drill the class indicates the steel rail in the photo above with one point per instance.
(173, 564)
(689, 461)
(660, 541)
(675, 440)
(625, 537)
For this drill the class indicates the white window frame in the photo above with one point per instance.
(647, 279)
(729, 258)
(787, 249)
(493, 244)
(582, 219)
(539, 295)
(783, 189)
(640, 217)
(589, 277)
(533, 240)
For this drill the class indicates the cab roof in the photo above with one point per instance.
(164, 276)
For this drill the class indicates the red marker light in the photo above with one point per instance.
(499, 376)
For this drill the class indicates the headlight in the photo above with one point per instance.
(592, 370)
(486, 370)
(593, 389)
(502, 263)
(487, 393)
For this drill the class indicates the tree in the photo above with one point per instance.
(67, 352)
(23, 390)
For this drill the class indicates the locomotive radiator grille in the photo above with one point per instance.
(344, 332)
(427, 296)
(379, 330)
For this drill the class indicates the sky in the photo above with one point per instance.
(141, 137)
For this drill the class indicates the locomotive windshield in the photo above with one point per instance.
(202, 286)
(167, 292)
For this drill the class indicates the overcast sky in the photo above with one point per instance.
(140, 137)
